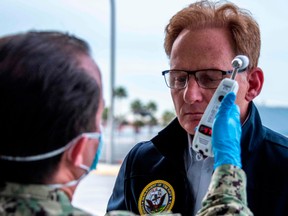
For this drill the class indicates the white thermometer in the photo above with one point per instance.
(202, 141)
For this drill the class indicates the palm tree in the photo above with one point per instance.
(151, 108)
(137, 108)
(167, 117)
(142, 112)
(105, 115)
(120, 93)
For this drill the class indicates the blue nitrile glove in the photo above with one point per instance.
(226, 133)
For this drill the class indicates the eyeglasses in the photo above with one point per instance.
(206, 78)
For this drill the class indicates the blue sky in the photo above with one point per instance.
(140, 56)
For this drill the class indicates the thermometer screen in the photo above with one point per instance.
(205, 130)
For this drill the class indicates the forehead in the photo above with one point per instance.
(202, 48)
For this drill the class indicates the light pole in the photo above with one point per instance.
(110, 147)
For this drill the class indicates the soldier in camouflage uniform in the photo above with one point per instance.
(18, 199)
(51, 107)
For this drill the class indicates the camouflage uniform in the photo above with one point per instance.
(226, 194)
(29, 200)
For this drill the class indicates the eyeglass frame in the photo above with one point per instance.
(194, 73)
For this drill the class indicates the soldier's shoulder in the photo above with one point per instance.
(29, 207)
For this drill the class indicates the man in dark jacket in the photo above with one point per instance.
(165, 173)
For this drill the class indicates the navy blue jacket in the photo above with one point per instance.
(264, 159)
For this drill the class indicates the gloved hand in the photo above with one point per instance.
(226, 133)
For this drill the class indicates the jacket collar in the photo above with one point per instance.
(252, 132)
(171, 142)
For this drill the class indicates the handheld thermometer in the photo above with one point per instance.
(202, 141)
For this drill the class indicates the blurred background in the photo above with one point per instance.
(126, 39)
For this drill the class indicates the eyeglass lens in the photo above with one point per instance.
(178, 79)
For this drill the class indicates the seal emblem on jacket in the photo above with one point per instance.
(158, 196)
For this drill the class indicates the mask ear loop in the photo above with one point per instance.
(88, 135)
(40, 156)
(92, 135)
(71, 183)
(70, 148)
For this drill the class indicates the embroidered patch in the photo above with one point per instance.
(158, 196)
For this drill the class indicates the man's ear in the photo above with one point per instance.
(255, 79)
(76, 152)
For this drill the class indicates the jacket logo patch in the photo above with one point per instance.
(158, 196)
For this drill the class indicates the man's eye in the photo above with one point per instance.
(207, 78)
(181, 79)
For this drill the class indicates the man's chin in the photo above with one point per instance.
(190, 128)
(189, 124)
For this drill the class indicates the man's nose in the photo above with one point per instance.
(192, 92)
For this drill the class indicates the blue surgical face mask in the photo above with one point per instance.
(92, 135)
(98, 153)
